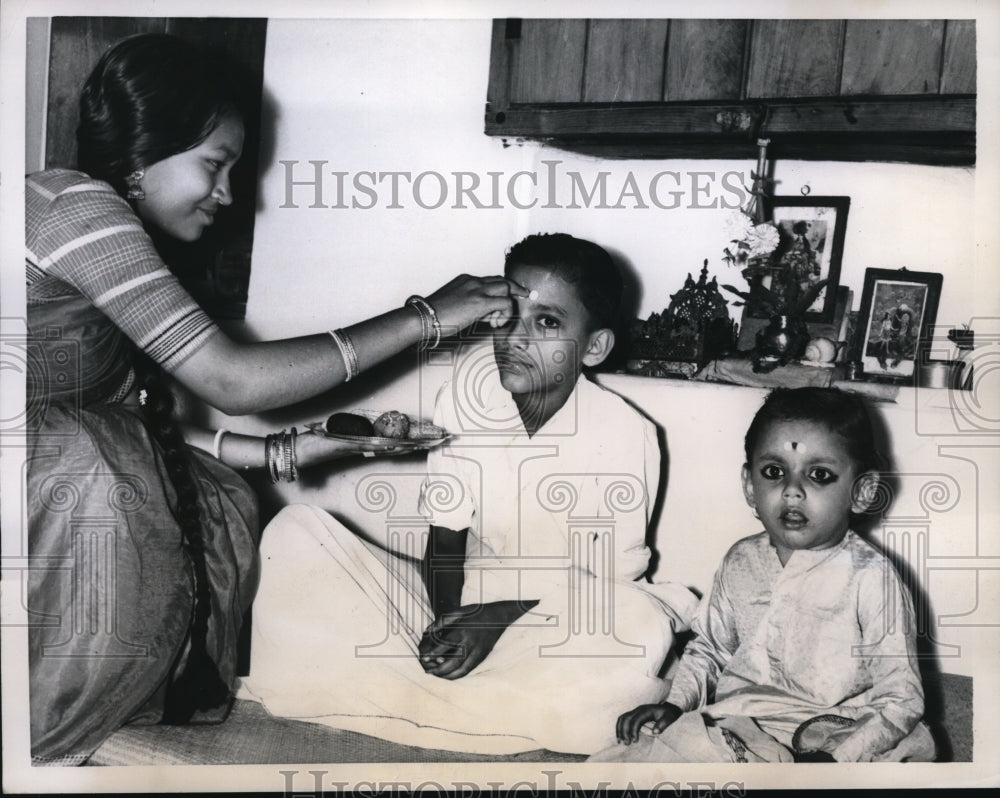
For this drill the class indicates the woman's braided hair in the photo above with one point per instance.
(199, 686)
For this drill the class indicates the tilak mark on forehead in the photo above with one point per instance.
(794, 446)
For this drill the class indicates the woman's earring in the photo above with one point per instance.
(135, 191)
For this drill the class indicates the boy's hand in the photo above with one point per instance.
(660, 715)
(458, 641)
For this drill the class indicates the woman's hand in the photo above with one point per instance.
(458, 641)
(660, 715)
(247, 451)
(465, 300)
(313, 449)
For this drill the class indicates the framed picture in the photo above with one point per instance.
(811, 246)
(897, 307)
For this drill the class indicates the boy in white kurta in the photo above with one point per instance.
(805, 648)
(523, 628)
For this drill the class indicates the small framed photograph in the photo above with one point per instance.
(897, 308)
(812, 231)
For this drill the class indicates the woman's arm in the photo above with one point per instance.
(239, 378)
(93, 241)
(238, 450)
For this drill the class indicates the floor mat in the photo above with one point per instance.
(251, 736)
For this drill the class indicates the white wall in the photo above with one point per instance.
(381, 96)
(409, 96)
(901, 215)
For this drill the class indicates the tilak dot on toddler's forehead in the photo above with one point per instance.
(794, 446)
(533, 295)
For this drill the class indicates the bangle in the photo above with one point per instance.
(430, 326)
(337, 336)
(425, 324)
(429, 323)
(280, 458)
(350, 357)
(217, 443)
(286, 458)
(351, 353)
(270, 457)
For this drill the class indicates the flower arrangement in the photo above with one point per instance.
(773, 291)
(752, 241)
(778, 286)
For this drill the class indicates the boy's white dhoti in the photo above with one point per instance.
(559, 517)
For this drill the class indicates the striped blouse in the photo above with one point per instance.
(83, 239)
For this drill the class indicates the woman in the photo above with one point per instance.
(144, 551)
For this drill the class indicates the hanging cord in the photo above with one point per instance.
(199, 686)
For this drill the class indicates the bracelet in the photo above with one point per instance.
(270, 444)
(217, 443)
(280, 457)
(351, 353)
(347, 352)
(429, 322)
(286, 458)
(430, 326)
(425, 324)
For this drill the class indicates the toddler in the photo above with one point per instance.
(804, 650)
